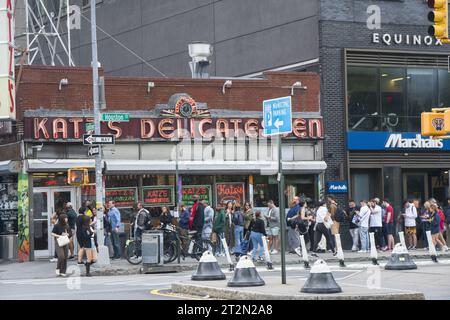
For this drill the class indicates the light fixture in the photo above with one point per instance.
(384, 75)
(227, 84)
(150, 85)
(63, 82)
(297, 85)
(397, 79)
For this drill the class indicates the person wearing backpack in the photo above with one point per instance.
(141, 222)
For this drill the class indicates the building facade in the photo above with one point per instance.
(210, 135)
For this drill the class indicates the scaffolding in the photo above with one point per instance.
(47, 30)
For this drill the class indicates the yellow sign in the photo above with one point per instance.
(432, 124)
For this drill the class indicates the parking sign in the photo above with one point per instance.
(277, 116)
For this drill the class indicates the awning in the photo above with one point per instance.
(9, 167)
(184, 167)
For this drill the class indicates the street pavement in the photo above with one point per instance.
(431, 279)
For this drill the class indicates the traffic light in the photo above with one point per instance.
(439, 17)
(432, 124)
(78, 176)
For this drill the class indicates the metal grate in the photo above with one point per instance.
(396, 59)
(404, 159)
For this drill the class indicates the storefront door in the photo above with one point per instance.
(415, 186)
(47, 201)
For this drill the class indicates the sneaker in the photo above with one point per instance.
(63, 275)
(362, 251)
(80, 262)
(413, 248)
(273, 251)
(71, 257)
(53, 259)
(445, 248)
(409, 248)
(384, 249)
(354, 249)
(298, 251)
(57, 272)
(260, 259)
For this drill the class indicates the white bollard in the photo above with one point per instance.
(373, 249)
(431, 247)
(401, 235)
(227, 253)
(305, 257)
(266, 253)
(340, 252)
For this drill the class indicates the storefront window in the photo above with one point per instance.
(422, 94)
(121, 181)
(158, 180)
(266, 188)
(362, 83)
(444, 86)
(392, 99)
(58, 179)
(393, 84)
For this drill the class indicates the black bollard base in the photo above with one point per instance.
(375, 262)
(231, 268)
(342, 264)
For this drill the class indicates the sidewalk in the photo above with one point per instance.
(44, 269)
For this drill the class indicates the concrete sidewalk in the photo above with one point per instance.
(44, 268)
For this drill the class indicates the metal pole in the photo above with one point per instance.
(177, 204)
(68, 33)
(103, 256)
(280, 179)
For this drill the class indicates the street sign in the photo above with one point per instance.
(93, 151)
(277, 116)
(117, 117)
(89, 126)
(90, 139)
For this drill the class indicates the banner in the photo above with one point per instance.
(122, 197)
(8, 208)
(158, 196)
(7, 82)
(23, 206)
(231, 191)
(203, 191)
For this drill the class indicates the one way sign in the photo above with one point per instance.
(90, 139)
(93, 151)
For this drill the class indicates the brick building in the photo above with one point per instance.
(216, 131)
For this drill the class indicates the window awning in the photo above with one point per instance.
(184, 167)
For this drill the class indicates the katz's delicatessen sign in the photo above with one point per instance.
(73, 128)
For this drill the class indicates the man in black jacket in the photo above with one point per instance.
(199, 217)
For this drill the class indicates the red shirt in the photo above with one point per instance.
(391, 210)
(192, 216)
(441, 215)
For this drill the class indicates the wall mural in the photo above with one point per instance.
(24, 221)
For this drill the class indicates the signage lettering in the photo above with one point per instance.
(234, 192)
(396, 141)
(158, 196)
(414, 40)
(58, 128)
(123, 197)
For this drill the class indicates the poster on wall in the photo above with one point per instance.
(8, 208)
(122, 197)
(203, 191)
(231, 191)
(158, 196)
(23, 218)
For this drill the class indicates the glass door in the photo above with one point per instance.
(415, 186)
(48, 201)
(41, 221)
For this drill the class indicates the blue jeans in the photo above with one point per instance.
(238, 235)
(116, 244)
(364, 237)
(256, 238)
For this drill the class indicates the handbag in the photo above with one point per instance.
(328, 223)
(214, 237)
(63, 241)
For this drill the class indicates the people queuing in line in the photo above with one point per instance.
(273, 226)
(114, 217)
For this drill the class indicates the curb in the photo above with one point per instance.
(231, 294)
(111, 271)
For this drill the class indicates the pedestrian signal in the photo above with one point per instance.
(77, 177)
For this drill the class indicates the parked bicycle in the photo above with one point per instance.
(190, 245)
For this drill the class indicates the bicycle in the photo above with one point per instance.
(174, 241)
(133, 252)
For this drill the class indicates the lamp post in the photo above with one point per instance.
(103, 253)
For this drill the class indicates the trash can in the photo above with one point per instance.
(152, 248)
(9, 247)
